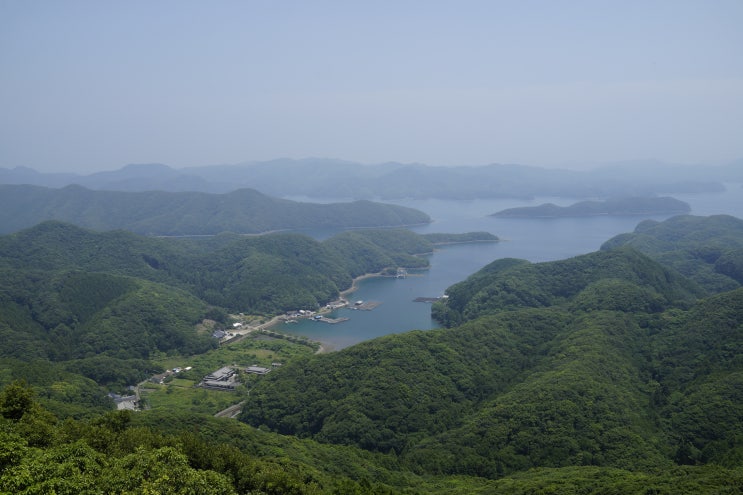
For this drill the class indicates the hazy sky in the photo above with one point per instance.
(93, 85)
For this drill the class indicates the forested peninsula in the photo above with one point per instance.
(244, 211)
(617, 371)
(617, 206)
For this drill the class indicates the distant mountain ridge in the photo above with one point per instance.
(329, 178)
(244, 211)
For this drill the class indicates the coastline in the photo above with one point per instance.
(355, 283)
(323, 346)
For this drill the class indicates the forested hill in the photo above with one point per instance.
(604, 373)
(621, 279)
(545, 387)
(615, 206)
(105, 302)
(188, 213)
(608, 359)
(706, 249)
(259, 274)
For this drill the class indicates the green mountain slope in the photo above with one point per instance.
(492, 397)
(708, 250)
(574, 371)
(258, 274)
(164, 213)
(106, 302)
(604, 373)
(623, 278)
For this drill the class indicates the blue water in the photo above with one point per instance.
(533, 239)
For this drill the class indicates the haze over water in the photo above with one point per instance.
(536, 240)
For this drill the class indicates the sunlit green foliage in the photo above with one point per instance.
(259, 274)
(705, 249)
(530, 388)
(171, 453)
(107, 303)
(605, 373)
(620, 279)
(600, 360)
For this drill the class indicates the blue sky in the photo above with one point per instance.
(94, 85)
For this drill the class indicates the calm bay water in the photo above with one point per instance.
(533, 239)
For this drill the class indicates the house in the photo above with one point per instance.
(229, 385)
(124, 402)
(257, 370)
(223, 379)
(159, 378)
(222, 374)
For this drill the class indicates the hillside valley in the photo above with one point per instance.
(617, 371)
(371, 248)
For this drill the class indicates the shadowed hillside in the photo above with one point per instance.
(244, 211)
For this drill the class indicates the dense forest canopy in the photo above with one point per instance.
(612, 279)
(618, 371)
(609, 359)
(709, 250)
(72, 295)
(177, 453)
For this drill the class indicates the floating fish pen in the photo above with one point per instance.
(331, 321)
(366, 305)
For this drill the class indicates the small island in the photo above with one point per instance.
(616, 207)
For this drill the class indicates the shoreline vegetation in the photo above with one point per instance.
(435, 239)
(323, 347)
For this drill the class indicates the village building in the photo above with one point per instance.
(223, 379)
(124, 402)
(257, 370)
